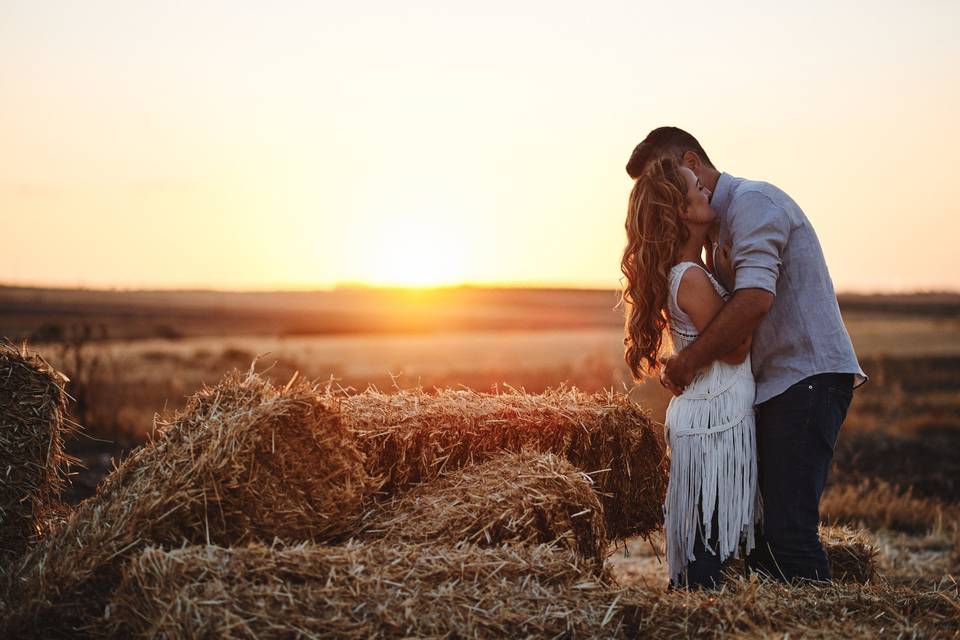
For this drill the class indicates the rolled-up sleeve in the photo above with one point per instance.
(759, 230)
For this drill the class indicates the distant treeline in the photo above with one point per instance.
(925, 304)
(55, 315)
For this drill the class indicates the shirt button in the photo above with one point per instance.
(810, 386)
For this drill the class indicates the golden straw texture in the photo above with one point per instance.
(758, 608)
(361, 591)
(851, 554)
(244, 461)
(525, 497)
(33, 465)
(437, 591)
(411, 437)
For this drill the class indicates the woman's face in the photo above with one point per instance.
(698, 200)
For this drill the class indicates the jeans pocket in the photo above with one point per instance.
(842, 397)
(830, 414)
(786, 418)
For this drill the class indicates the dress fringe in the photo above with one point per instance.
(711, 435)
(712, 471)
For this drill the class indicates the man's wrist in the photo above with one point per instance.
(687, 360)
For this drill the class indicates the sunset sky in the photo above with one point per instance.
(243, 145)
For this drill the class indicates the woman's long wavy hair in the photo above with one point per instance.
(655, 235)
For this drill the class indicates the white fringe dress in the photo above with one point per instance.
(710, 432)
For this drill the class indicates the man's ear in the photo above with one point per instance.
(691, 161)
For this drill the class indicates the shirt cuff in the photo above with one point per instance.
(756, 278)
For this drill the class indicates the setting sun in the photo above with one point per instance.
(331, 143)
(414, 254)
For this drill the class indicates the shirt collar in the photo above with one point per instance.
(722, 194)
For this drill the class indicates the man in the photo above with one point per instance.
(802, 357)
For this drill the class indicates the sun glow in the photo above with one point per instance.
(415, 254)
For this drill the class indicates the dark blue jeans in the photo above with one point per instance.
(705, 571)
(796, 435)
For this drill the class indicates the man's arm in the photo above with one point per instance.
(730, 328)
(759, 230)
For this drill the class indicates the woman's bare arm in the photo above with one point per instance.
(699, 300)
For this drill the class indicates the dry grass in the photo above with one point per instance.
(924, 459)
(955, 555)
(522, 498)
(911, 560)
(411, 437)
(33, 465)
(361, 591)
(435, 591)
(757, 608)
(851, 554)
(245, 461)
(879, 505)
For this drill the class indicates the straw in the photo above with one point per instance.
(33, 465)
(361, 591)
(438, 591)
(524, 498)
(851, 554)
(411, 437)
(244, 461)
(879, 505)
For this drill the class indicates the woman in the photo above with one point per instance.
(712, 499)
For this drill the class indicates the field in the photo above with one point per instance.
(133, 355)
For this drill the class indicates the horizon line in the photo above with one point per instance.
(355, 285)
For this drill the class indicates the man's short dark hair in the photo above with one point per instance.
(664, 141)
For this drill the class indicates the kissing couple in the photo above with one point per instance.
(762, 369)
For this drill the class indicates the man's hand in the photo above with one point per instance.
(723, 267)
(676, 373)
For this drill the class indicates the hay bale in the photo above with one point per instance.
(411, 437)
(362, 591)
(761, 608)
(33, 422)
(524, 497)
(396, 591)
(850, 553)
(244, 461)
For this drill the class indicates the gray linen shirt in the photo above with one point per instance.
(776, 249)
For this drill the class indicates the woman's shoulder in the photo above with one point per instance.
(677, 273)
(682, 272)
(694, 284)
(700, 281)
